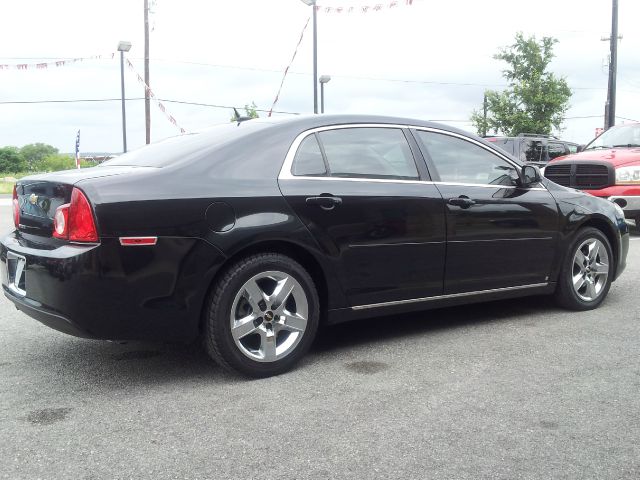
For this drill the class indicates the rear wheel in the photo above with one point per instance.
(262, 315)
(585, 277)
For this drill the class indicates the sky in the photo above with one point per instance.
(429, 60)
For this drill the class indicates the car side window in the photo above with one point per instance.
(368, 152)
(557, 149)
(533, 151)
(308, 159)
(460, 161)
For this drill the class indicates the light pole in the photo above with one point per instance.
(123, 47)
(323, 79)
(312, 4)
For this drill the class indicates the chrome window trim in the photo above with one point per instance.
(470, 140)
(285, 170)
(483, 146)
(349, 179)
(448, 296)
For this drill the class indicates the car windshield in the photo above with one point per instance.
(620, 136)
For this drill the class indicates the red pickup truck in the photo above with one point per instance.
(607, 167)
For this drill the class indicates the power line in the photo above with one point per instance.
(78, 100)
(270, 70)
(352, 77)
(223, 106)
(94, 100)
(230, 107)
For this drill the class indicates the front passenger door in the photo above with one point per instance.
(498, 234)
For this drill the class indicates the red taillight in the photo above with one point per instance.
(16, 207)
(74, 221)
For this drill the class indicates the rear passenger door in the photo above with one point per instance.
(372, 209)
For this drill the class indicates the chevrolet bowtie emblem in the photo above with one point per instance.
(33, 199)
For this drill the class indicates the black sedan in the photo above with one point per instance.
(251, 234)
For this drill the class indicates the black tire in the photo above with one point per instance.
(237, 355)
(566, 295)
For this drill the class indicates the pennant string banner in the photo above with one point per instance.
(376, 7)
(57, 63)
(152, 95)
(286, 70)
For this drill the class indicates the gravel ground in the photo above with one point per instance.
(512, 389)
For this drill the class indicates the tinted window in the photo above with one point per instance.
(505, 144)
(368, 152)
(533, 151)
(459, 161)
(557, 149)
(308, 159)
(175, 149)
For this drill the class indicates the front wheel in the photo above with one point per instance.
(262, 315)
(585, 277)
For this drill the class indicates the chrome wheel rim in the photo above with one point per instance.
(590, 269)
(269, 316)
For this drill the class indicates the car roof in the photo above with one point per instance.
(309, 121)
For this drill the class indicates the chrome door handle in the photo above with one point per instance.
(462, 201)
(326, 202)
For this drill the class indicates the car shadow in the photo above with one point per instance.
(377, 329)
(109, 366)
(116, 365)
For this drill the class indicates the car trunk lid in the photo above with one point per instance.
(40, 195)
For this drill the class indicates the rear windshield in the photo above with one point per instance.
(174, 149)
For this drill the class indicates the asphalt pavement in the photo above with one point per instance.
(503, 390)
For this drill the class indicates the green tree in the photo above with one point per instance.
(58, 161)
(11, 160)
(34, 153)
(535, 100)
(249, 110)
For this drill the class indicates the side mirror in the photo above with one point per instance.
(529, 175)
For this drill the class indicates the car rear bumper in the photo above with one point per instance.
(109, 291)
(46, 316)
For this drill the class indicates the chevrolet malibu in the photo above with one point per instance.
(250, 235)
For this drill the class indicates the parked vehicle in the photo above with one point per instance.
(608, 167)
(251, 234)
(534, 149)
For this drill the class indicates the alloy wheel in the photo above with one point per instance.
(590, 269)
(269, 316)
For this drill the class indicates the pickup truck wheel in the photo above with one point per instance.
(585, 277)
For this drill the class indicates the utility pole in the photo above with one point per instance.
(315, 59)
(484, 115)
(147, 99)
(610, 106)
